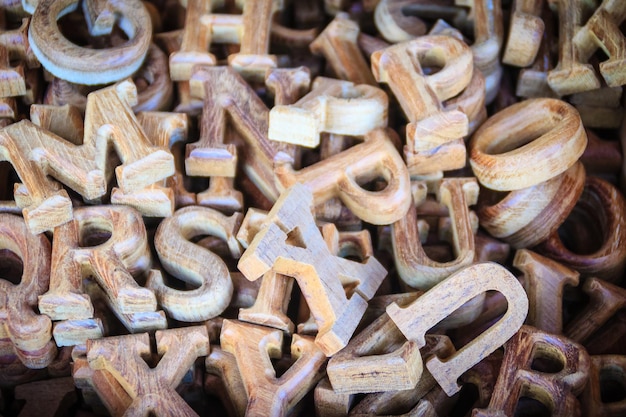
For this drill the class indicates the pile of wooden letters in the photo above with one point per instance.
(312, 208)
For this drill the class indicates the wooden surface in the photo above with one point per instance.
(544, 281)
(430, 126)
(110, 245)
(338, 44)
(343, 174)
(331, 106)
(35, 153)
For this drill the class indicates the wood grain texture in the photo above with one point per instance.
(150, 389)
(444, 298)
(394, 25)
(525, 33)
(253, 346)
(602, 31)
(271, 304)
(532, 81)
(12, 81)
(519, 376)
(407, 402)
(378, 359)
(291, 244)
(200, 268)
(82, 65)
(253, 58)
(223, 380)
(572, 74)
(28, 333)
(196, 39)
(65, 121)
(288, 85)
(226, 93)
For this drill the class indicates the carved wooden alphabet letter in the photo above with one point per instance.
(194, 264)
(291, 244)
(35, 153)
(29, 333)
(431, 128)
(332, 106)
(253, 346)
(82, 65)
(445, 298)
(151, 390)
(395, 365)
(519, 376)
(544, 280)
(414, 266)
(339, 176)
(112, 264)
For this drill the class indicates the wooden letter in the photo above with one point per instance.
(572, 74)
(378, 359)
(414, 266)
(544, 280)
(152, 390)
(253, 60)
(431, 128)
(291, 244)
(225, 93)
(332, 106)
(194, 264)
(338, 44)
(194, 48)
(445, 298)
(556, 387)
(29, 333)
(82, 65)
(35, 153)
(337, 176)
(253, 346)
(525, 33)
(112, 263)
